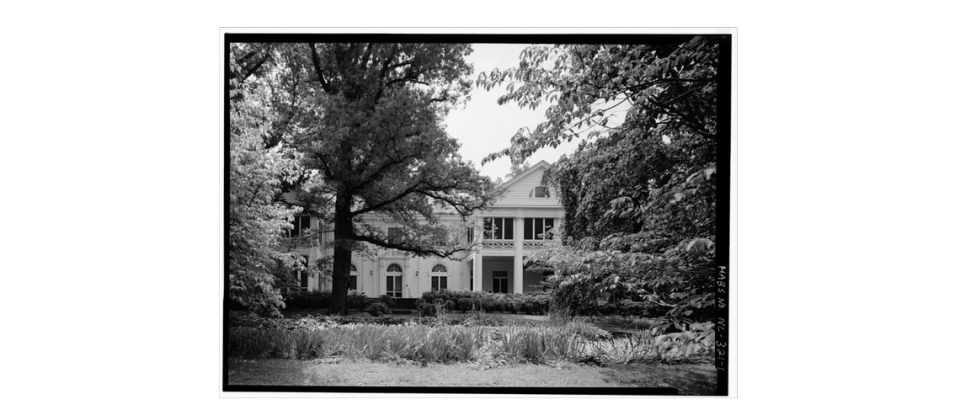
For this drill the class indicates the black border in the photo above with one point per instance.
(724, 117)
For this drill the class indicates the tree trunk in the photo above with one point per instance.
(343, 233)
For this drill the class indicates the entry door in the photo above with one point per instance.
(394, 278)
(499, 281)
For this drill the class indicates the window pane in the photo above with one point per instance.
(399, 285)
(443, 282)
(352, 283)
(498, 228)
(296, 228)
(528, 228)
(508, 228)
(547, 225)
(538, 228)
(470, 235)
(487, 227)
(389, 284)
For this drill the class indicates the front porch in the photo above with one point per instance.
(501, 274)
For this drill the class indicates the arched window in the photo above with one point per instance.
(353, 269)
(439, 268)
(394, 268)
(540, 192)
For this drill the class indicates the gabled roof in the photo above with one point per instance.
(528, 171)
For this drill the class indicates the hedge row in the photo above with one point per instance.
(537, 303)
(320, 299)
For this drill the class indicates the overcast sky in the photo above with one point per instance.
(483, 127)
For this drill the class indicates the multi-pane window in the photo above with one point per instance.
(497, 228)
(470, 235)
(537, 228)
(499, 281)
(352, 279)
(540, 192)
(304, 276)
(394, 283)
(438, 282)
(300, 224)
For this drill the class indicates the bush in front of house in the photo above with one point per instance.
(390, 301)
(357, 300)
(535, 303)
(307, 300)
(377, 309)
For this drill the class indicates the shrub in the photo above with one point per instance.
(357, 300)
(377, 308)
(426, 309)
(314, 299)
(465, 305)
(388, 300)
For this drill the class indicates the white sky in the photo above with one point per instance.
(483, 127)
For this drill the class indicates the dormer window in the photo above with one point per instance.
(540, 192)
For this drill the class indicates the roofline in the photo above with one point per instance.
(526, 172)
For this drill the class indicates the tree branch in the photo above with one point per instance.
(417, 250)
(315, 58)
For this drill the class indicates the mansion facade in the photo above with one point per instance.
(514, 228)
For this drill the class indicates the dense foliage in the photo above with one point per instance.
(256, 221)
(640, 192)
(496, 345)
(365, 123)
(531, 303)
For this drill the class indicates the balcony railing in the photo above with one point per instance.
(508, 243)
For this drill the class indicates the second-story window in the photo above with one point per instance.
(537, 228)
(497, 228)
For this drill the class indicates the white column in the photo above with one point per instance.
(517, 255)
(478, 260)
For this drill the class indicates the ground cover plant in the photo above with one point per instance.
(435, 341)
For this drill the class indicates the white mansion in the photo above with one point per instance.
(514, 230)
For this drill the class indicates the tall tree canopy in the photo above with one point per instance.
(366, 121)
(256, 220)
(639, 194)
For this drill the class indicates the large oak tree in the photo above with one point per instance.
(366, 122)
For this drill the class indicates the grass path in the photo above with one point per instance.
(689, 379)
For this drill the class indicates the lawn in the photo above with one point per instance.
(689, 379)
